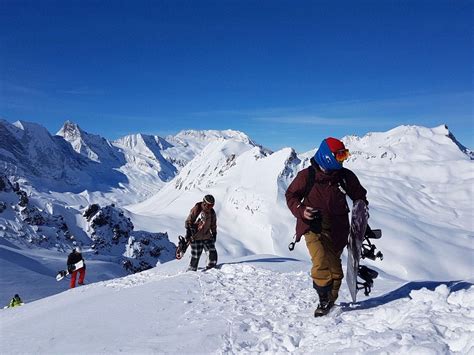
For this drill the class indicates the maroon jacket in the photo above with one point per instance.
(327, 197)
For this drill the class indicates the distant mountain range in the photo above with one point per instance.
(133, 167)
(419, 183)
(137, 166)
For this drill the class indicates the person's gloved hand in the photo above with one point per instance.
(214, 236)
(190, 232)
(308, 213)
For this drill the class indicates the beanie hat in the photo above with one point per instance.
(325, 157)
(209, 199)
(334, 144)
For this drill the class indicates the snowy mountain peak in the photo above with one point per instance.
(91, 146)
(70, 131)
(33, 132)
(206, 136)
(407, 143)
(210, 164)
(28, 149)
(142, 141)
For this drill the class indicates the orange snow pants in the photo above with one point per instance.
(327, 265)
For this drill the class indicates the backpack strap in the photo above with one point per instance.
(342, 185)
(199, 210)
(309, 182)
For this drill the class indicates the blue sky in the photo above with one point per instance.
(287, 73)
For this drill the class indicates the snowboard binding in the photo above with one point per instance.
(183, 245)
(368, 249)
(367, 275)
(61, 275)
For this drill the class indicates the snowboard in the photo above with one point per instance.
(360, 216)
(182, 246)
(63, 273)
(361, 247)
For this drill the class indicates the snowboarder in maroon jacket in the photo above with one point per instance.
(72, 259)
(321, 213)
(201, 230)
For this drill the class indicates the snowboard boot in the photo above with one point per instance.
(325, 304)
(334, 294)
(323, 308)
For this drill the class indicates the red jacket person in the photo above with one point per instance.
(317, 198)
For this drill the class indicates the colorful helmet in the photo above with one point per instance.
(331, 154)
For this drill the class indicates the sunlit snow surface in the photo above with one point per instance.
(421, 190)
(257, 304)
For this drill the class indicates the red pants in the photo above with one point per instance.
(82, 275)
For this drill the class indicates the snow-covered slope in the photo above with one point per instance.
(247, 183)
(407, 144)
(28, 150)
(420, 184)
(260, 304)
(32, 227)
(421, 193)
(422, 204)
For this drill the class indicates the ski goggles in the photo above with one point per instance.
(341, 155)
(208, 204)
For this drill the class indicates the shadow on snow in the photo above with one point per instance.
(404, 292)
(262, 260)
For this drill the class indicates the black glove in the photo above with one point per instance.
(214, 236)
(190, 232)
